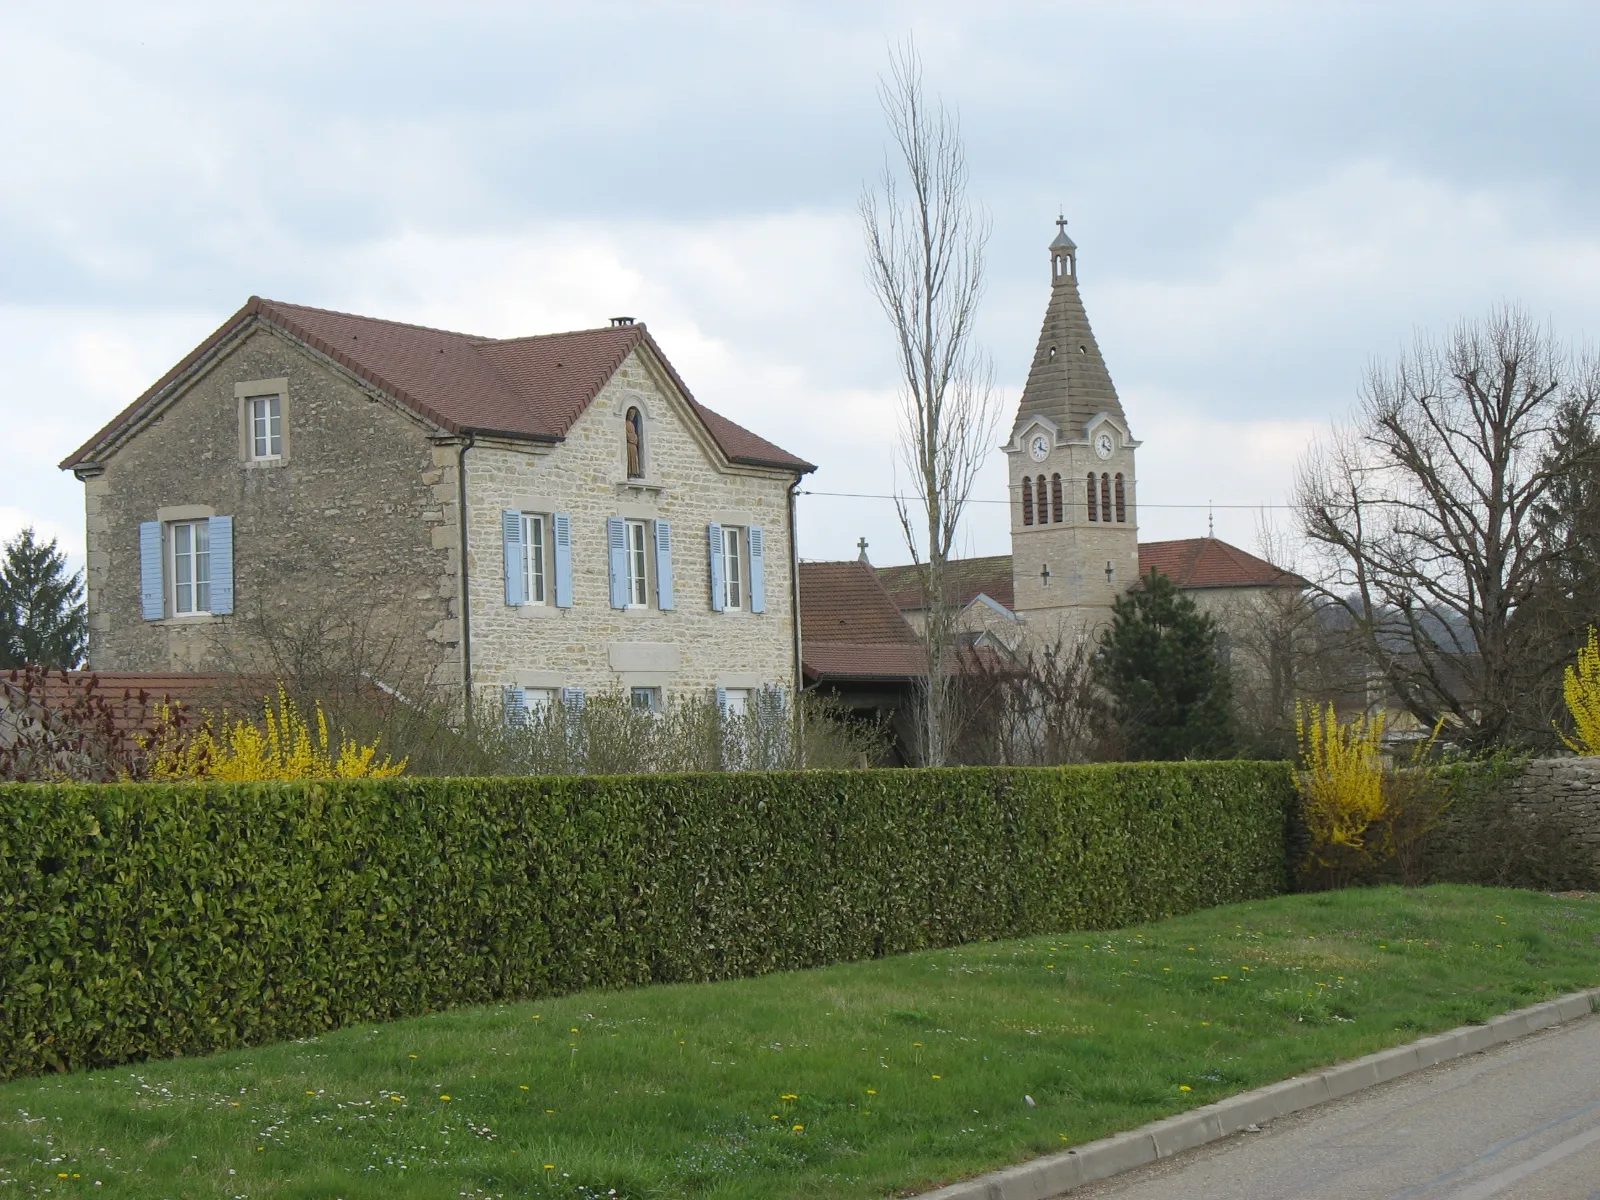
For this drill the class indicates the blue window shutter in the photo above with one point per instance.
(572, 698)
(722, 702)
(758, 570)
(516, 703)
(562, 523)
(221, 535)
(617, 547)
(663, 532)
(719, 589)
(152, 603)
(511, 539)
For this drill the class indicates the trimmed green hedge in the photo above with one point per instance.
(150, 920)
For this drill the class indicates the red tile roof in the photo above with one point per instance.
(850, 628)
(1212, 563)
(529, 387)
(1190, 563)
(967, 577)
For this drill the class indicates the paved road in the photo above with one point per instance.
(1520, 1122)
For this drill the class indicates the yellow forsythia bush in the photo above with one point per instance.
(1341, 783)
(1582, 690)
(283, 747)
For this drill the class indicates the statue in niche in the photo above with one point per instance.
(634, 422)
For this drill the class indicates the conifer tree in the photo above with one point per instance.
(1160, 662)
(42, 615)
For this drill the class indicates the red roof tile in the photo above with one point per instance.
(850, 628)
(843, 660)
(967, 577)
(529, 387)
(1212, 563)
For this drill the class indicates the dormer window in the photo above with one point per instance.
(634, 431)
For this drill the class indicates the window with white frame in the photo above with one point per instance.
(735, 702)
(191, 567)
(646, 699)
(638, 581)
(732, 567)
(265, 417)
(540, 700)
(533, 558)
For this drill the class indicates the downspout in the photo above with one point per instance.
(794, 607)
(466, 444)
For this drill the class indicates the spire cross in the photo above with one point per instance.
(862, 546)
(1061, 223)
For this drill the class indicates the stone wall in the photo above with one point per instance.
(358, 516)
(1538, 827)
(1566, 793)
(689, 649)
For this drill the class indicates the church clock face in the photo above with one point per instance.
(1039, 447)
(1103, 445)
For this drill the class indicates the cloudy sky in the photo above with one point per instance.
(1266, 197)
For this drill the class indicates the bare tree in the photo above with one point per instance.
(1423, 517)
(925, 257)
(1033, 706)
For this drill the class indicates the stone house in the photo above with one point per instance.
(539, 517)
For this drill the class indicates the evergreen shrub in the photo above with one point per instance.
(146, 920)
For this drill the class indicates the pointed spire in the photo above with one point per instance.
(1068, 381)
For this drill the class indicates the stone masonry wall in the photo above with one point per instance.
(1566, 792)
(690, 649)
(360, 513)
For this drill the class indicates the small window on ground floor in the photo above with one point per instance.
(647, 699)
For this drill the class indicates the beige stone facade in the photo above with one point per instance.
(592, 645)
(358, 509)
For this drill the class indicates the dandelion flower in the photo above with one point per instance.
(938, 1076)
(872, 1091)
(549, 1166)
(799, 1129)
(1184, 1087)
(523, 1086)
(444, 1097)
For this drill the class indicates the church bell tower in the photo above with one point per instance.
(1074, 528)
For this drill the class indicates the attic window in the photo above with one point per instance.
(1052, 351)
(1082, 349)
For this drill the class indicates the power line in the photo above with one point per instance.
(885, 496)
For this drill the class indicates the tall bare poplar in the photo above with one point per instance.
(925, 258)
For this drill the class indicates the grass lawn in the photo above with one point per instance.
(853, 1081)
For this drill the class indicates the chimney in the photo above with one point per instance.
(619, 322)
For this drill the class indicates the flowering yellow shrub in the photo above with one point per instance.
(1341, 782)
(1582, 690)
(283, 747)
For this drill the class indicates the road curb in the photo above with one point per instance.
(1044, 1178)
